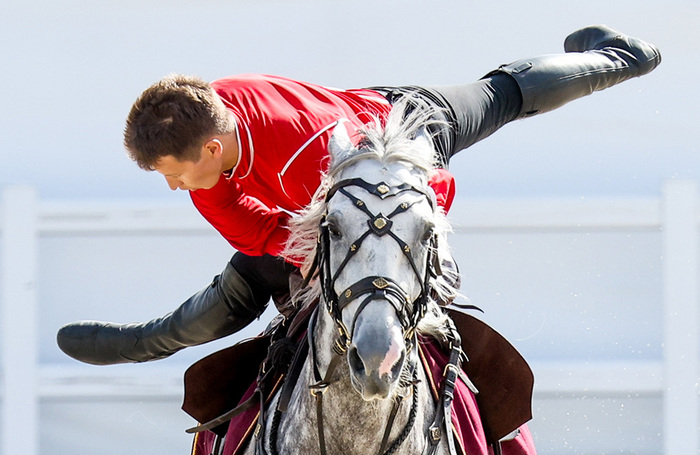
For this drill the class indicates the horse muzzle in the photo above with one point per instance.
(377, 354)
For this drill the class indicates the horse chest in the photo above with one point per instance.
(351, 425)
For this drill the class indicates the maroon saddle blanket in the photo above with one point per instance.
(501, 375)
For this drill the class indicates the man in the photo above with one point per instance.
(251, 150)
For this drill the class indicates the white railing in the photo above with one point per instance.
(24, 383)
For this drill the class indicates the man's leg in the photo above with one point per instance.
(232, 301)
(596, 58)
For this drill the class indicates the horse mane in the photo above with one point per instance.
(384, 142)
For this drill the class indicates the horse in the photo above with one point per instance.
(378, 274)
(379, 226)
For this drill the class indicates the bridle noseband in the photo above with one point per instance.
(374, 287)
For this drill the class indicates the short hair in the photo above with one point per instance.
(173, 117)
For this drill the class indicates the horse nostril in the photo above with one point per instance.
(398, 366)
(355, 361)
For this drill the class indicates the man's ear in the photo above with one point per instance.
(214, 147)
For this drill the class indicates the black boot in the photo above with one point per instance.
(225, 306)
(597, 57)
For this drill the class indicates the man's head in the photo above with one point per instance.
(173, 121)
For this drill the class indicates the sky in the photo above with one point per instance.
(72, 69)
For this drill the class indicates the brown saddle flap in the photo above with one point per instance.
(499, 372)
(216, 383)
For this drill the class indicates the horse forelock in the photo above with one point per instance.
(394, 140)
(384, 142)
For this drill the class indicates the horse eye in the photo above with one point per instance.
(428, 234)
(334, 231)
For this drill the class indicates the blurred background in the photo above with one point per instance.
(569, 227)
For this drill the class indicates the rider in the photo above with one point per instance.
(252, 149)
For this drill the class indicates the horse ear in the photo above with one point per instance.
(340, 144)
(424, 140)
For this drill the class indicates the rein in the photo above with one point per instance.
(372, 288)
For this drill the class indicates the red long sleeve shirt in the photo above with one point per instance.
(284, 127)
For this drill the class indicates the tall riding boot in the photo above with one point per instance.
(597, 57)
(225, 306)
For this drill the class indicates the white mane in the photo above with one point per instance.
(393, 142)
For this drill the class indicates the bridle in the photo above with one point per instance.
(375, 287)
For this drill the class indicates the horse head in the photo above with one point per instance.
(377, 251)
(379, 232)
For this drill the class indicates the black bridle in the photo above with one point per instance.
(374, 287)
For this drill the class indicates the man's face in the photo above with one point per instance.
(190, 175)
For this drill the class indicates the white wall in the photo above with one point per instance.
(595, 294)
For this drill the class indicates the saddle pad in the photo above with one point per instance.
(467, 425)
(216, 383)
(466, 418)
(501, 375)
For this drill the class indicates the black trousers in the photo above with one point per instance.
(471, 112)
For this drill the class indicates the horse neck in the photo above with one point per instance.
(351, 425)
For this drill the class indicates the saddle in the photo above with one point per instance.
(501, 375)
(215, 384)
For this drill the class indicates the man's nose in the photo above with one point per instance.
(173, 183)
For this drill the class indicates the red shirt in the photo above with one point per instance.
(284, 128)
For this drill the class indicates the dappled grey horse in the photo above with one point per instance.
(371, 238)
(379, 367)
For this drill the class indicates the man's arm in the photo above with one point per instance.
(249, 225)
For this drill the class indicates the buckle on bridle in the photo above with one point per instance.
(340, 347)
(318, 389)
(451, 367)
